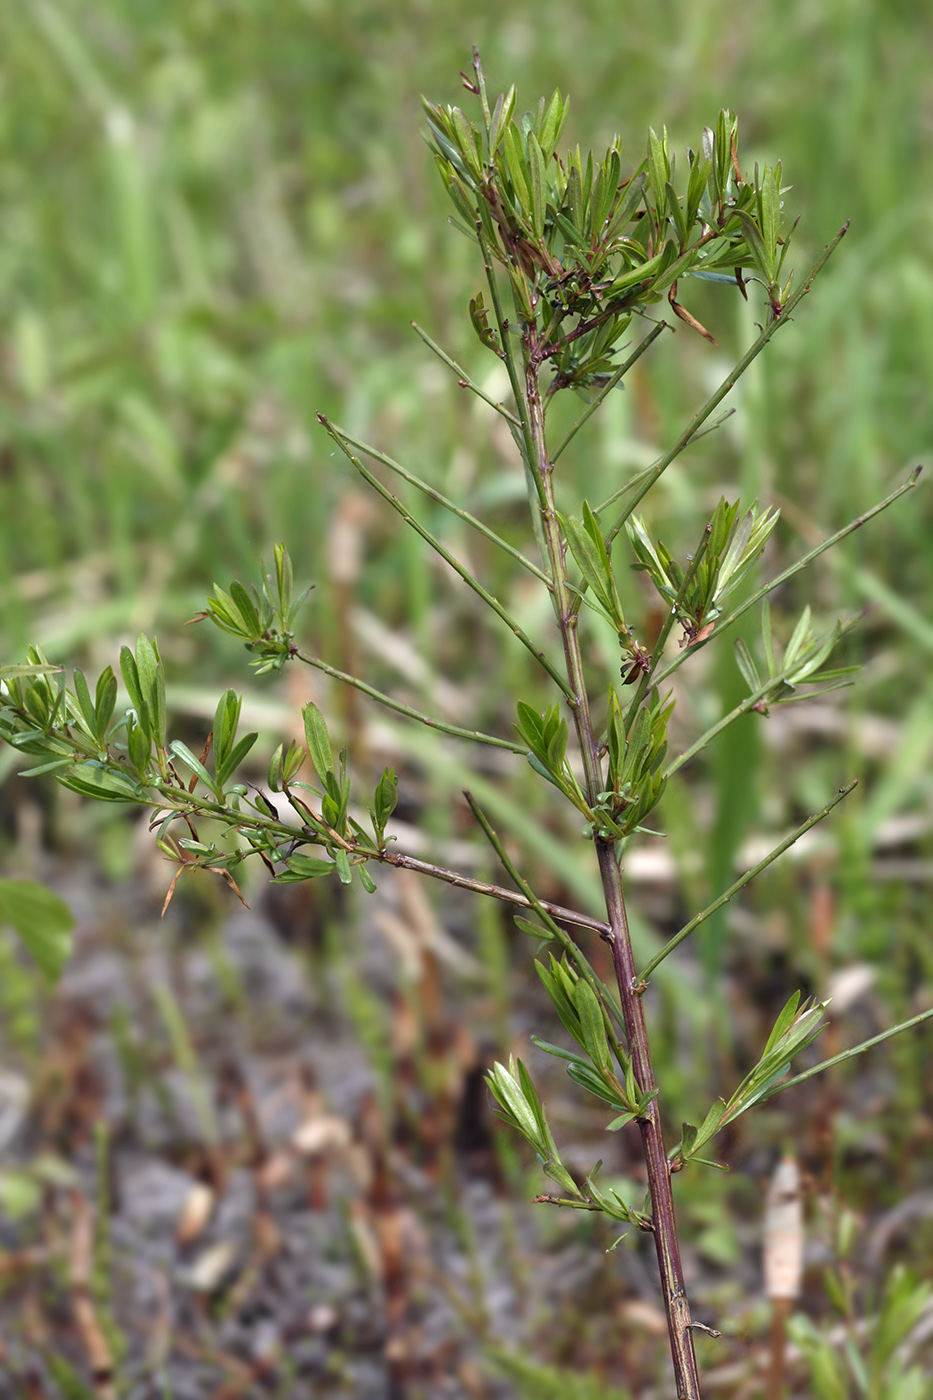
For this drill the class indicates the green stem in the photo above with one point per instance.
(619, 374)
(619, 938)
(768, 685)
(740, 884)
(731, 379)
(465, 379)
(454, 730)
(545, 911)
(435, 495)
(445, 554)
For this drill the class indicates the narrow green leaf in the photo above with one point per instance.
(539, 187)
(182, 751)
(97, 780)
(318, 741)
(592, 1025)
(708, 1128)
(517, 169)
(235, 757)
(553, 123)
(246, 608)
(302, 867)
(342, 861)
(366, 880)
(85, 704)
(130, 675)
(659, 166)
(105, 699)
(756, 245)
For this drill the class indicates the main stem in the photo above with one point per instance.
(659, 1175)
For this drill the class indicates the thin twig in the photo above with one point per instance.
(464, 378)
(745, 879)
(731, 379)
(445, 501)
(455, 730)
(446, 555)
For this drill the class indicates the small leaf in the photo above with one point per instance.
(182, 751)
(105, 699)
(130, 674)
(302, 867)
(343, 866)
(97, 780)
(318, 741)
(553, 123)
(85, 704)
(247, 609)
(592, 1025)
(517, 169)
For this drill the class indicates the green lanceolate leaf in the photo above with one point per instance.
(105, 700)
(101, 780)
(246, 608)
(592, 1026)
(130, 675)
(181, 750)
(302, 867)
(592, 557)
(85, 703)
(152, 686)
(318, 740)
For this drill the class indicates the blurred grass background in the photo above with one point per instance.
(219, 219)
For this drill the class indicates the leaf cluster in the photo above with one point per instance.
(123, 753)
(802, 663)
(586, 244)
(636, 763)
(796, 1027)
(520, 1106)
(263, 618)
(728, 549)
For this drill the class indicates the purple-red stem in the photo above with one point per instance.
(664, 1224)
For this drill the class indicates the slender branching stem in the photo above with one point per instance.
(464, 379)
(742, 881)
(656, 1160)
(512, 897)
(464, 573)
(729, 383)
(456, 731)
(435, 495)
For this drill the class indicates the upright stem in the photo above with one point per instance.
(659, 1175)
